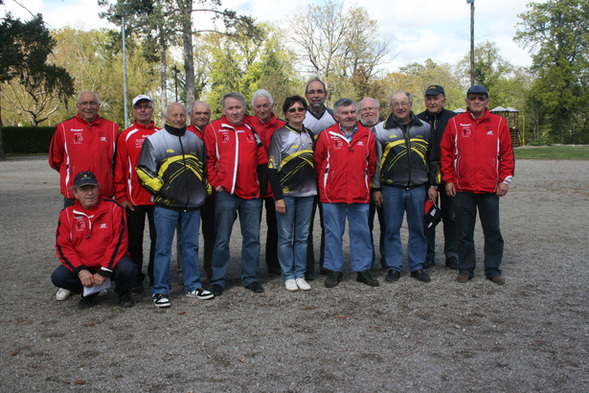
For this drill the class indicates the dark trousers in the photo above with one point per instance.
(465, 208)
(136, 228)
(372, 211)
(272, 235)
(207, 219)
(310, 252)
(449, 221)
(124, 275)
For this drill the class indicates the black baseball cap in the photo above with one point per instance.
(477, 89)
(85, 178)
(434, 90)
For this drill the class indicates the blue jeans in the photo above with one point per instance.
(334, 218)
(465, 208)
(166, 221)
(397, 201)
(293, 232)
(226, 208)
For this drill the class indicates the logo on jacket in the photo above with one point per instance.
(250, 138)
(360, 143)
(103, 139)
(466, 132)
(80, 224)
(103, 226)
(337, 143)
(489, 132)
(225, 136)
(78, 138)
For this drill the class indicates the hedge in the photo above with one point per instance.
(27, 140)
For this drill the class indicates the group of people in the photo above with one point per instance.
(317, 157)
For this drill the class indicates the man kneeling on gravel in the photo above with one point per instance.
(91, 243)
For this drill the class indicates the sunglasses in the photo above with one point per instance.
(293, 110)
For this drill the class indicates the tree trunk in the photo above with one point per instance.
(164, 79)
(188, 53)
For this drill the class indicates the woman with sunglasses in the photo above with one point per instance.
(290, 169)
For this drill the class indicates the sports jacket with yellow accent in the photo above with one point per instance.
(171, 167)
(405, 155)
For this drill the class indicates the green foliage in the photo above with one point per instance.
(552, 153)
(557, 33)
(27, 140)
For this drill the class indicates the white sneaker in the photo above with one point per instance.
(302, 284)
(291, 285)
(200, 293)
(63, 294)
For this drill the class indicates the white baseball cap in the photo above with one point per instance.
(141, 97)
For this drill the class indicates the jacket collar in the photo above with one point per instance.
(393, 123)
(175, 131)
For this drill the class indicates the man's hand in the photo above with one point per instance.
(377, 198)
(432, 193)
(501, 189)
(280, 206)
(127, 205)
(98, 279)
(451, 189)
(86, 278)
(219, 188)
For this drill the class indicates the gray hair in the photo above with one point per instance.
(235, 95)
(262, 93)
(87, 91)
(199, 102)
(173, 103)
(343, 102)
(404, 92)
(369, 98)
(315, 79)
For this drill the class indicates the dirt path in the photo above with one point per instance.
(530, 335)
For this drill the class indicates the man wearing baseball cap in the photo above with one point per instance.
(477, 167)
(129, 193)
(91, 244)
(437, 117)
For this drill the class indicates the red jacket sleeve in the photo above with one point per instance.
(320, 154)
(121, 169)
(211, 147)
(506, 159)
(56, 151)
(447, 152)
(64, 247)
(371, 155)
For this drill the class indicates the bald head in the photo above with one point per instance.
(200, 115)
(176, 115)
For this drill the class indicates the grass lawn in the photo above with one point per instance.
(552, 153)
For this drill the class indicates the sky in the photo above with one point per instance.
(416, 29)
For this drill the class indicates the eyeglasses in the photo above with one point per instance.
(316, 91)
(299, 109)
(368, 108)
(88, 103)
(398, 104)
(474, 98)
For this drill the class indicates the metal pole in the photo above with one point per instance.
(471, 2)
(125, 76)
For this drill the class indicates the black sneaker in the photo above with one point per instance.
(366, 278)
(216, 289)
(125, 300)
(255, 287)
(429, 263)
(88, 301)
(452, 263)
(333, 278)
(200, 293)
(393, 275)
(161, 300)
(421, 275)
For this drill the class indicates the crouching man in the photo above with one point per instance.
(92, 244)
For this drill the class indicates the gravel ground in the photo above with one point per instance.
(530, 335)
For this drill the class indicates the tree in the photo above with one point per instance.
(339, 45)
(25, 48)
(557, 35)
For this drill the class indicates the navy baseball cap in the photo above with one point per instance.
(434, 90)
(477, 89)
(85, 178)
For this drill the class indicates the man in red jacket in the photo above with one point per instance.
(235, 155)
(477, 167)
(91, 243)
(266, 122)
(129, 193)
(85, 142)
(345, 159)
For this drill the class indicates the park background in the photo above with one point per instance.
(183, 50)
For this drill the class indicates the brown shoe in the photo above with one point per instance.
(497, 279)
(463, 277)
